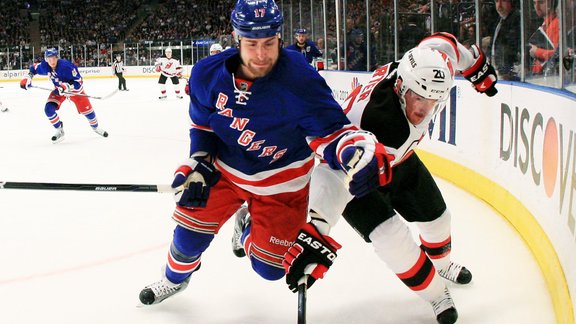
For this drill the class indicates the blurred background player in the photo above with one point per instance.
(118, 68)
(397, 105)
(215, 49)
(68, 84)
(169, 68)
(305, 46)
(255, 132)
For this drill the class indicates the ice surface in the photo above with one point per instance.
(82, 257)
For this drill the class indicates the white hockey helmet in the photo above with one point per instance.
(168, 50)
(427, 72)
(215, 49)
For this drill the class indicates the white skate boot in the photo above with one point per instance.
(444, 308)
(100, 132)
(59, 135)
(160, 290)
(163, 97)
(456, 273)
(241, 222)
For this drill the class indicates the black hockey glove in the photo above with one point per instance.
(312, 254)
(193, 179)
(481, 73)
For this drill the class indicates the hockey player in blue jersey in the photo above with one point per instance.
(68, 84)
(305, 46)
(260, 114)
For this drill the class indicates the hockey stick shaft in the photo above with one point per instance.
(302, 289)
(86, 187)
(78, 94)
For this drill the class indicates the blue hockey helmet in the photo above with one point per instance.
(51, 52)
(301, 31)
(256, 19)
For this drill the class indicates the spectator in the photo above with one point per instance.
(505, 51)
(544, 41)
(305, 46)
(357, 52)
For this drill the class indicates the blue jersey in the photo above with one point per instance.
(309, 50)
(65, 72)
(263, 138)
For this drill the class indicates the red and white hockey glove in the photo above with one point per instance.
(25, 83)
(311, 255)
(481, 73)
(365, 161)
(193, 179)
(157, 66)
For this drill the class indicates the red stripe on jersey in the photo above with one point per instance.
(314, 144)
(415, 268)
(274, 179)
(204, 128)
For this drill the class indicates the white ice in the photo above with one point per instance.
(82, 257)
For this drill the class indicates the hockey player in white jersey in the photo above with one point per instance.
(397, 105)
(169, 67)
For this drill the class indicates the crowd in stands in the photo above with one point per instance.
(85, 21)
(185, 19)
(14, 28)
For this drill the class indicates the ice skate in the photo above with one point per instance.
(100, 132)
(444, 308)
(160, 290)
(163, 97)
(179, 96)
(456, 273)
(241, 222)
(59, 135)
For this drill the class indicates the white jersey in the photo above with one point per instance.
(169, 67)
(376, 108)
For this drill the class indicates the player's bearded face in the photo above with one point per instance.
(418, 107)
(259, 55)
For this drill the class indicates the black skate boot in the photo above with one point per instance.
(444, 308)
(456, 273)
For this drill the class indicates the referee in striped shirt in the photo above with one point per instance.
(118, 68)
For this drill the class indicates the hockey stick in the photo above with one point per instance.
(86, 187)
(302, 288)
(78, 94)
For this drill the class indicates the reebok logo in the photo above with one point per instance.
(278, 241)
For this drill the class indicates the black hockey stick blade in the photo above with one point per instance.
(302, 288)
(86, 187)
